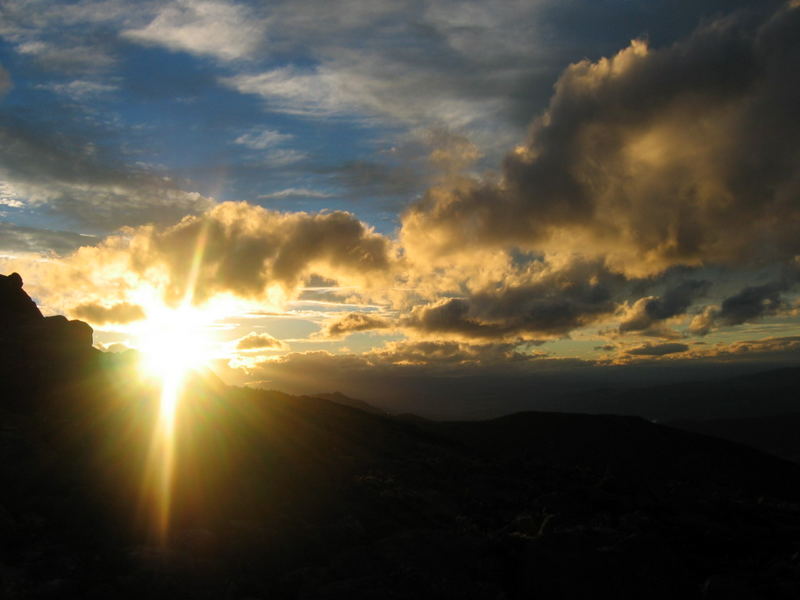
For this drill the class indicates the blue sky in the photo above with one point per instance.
(499, 161)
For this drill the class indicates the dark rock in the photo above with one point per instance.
(16, 307)
(277, 496)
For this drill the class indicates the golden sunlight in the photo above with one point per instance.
(172, 343)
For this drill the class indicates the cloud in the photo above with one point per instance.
(246, 248)
(81, 89)
(223, 30)
(646, 314)
(240, 250)
(657, 349)
(353, 322)
(369, 178)
(550, 302)
(296, 192)
(269, 141)
(752, 303)
(5, 81)
(16, 238)
(393, 367)
(68, 177)
(765, 348)
(749, 304)
(260, 341)
(261, 139)
(116, 313)
(67, 56)
(650, 158)
(704, 321)
(461, 380)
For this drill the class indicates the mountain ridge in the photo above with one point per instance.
(286, 496)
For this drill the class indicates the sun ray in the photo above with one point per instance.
(172, 342)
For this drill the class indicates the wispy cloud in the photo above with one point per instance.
(223, 30)
(296, 193)
(262, 139)
(80, 89)
(269, 145)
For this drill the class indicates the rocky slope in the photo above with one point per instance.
(297, 497)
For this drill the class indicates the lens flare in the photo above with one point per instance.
(172, 343)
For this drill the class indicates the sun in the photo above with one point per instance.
(174, 341)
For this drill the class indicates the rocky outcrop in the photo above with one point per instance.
(35, 350)
(276, 496)
(22, 321)
(16, 307)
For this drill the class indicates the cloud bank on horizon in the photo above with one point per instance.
(350, 178)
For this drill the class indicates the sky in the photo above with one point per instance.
(398, 198)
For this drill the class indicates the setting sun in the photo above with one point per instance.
(174, 341)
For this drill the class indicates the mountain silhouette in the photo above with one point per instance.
(340, 398)
(279, 496)
(767, 393)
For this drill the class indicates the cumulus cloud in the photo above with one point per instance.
(650, 158)
(260, 341)
(749, 304)
(550, 302)
(233, 249)
(246, 248)
(353, 322)
(99, 314)
(647, 314)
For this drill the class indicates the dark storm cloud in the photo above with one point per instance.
(657, 349)
(655, 157)
(554, 304)
(99, 314)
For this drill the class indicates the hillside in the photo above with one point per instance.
(767, 393)
(277, 496)
(776, 434)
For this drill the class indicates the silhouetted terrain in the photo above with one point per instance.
(340, 398)
(776, 434)
(762, 394)
(278, 496)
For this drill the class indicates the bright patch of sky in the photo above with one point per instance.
(116, 113)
